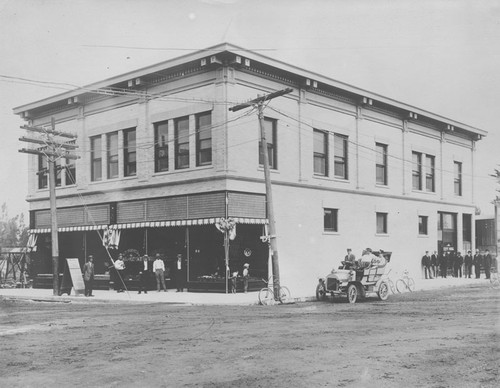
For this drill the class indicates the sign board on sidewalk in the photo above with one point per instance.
(72, 277)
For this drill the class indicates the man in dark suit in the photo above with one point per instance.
(179, 278)
(478, 262)
(468, 264)
(88, 275)
(487, 264)
(434, 264)
(426, 263)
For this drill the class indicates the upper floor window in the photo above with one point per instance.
(42, 172)
(58, 169)
(95, 158)
(422, 225)
(270, 126)
(129, 152)
(330, 220)
(70, 171)
(416, 170)
(181, 142)
(429, 173)
(340, 156)
(381, 223)
(457, 178)
(161, 146)
(320, 151)
(381, 164)
(112, 155)
(204, 139)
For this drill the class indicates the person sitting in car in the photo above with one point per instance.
(368, 259)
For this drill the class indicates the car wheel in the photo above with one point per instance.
(352, 293)
(383, 291)
(320, 292)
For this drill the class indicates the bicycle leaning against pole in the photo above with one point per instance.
(269, 296)
(405, 282)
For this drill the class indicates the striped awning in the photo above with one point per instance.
(151, 224)
(68, 229)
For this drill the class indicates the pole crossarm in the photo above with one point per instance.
(49, 131)
(260, 99)
(44, 142)
(49, 153)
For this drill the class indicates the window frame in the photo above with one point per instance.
(271, 141)
(423, 225)
(161, 146)
(332, 215)
(341, 161)
(129, 152)
(43, 177)
(321, 156)
(430, 173)
(181, 147)
(112, 156)
(383, 165)
(416, 173)
(203, 152)
(70, 172)
(457, 178)
(385, 221)
(96, 159)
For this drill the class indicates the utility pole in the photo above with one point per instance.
(259, 103)
(52, 151)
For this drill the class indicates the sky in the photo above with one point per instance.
(437, 55)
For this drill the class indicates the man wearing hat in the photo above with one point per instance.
(88, 275)
(245, 277)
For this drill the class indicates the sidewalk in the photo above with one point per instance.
(195, 298)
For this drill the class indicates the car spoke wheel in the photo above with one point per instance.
(266, 297)
(352, 293)
(383, 291)
(320, 292)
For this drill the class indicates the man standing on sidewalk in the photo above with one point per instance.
(178, 274)
(434, 264)
(159, 270)
(487, 264)
(88, 275)
(426, 263)
(468, 264)
(478, 262)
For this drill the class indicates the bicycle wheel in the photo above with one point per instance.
(391, 286)
(284, 296)
(411, 284)
(400, 285)
(266, 297)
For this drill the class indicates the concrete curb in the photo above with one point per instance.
(197, 299)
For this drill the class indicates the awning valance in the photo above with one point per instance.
(151, 224)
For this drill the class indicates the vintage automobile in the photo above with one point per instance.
(357, 280)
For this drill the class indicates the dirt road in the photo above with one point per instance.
(445, 338)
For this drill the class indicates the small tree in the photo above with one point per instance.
(13, 231)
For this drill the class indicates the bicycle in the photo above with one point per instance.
(267, 295)
(405, 283)
(390, 283)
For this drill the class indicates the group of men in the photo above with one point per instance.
(146, 269)
(438, 265)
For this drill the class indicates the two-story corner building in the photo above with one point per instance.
(163, 158)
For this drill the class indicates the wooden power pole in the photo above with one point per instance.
(259, 103)
(52, 150)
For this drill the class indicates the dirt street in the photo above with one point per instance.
(440, 338)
